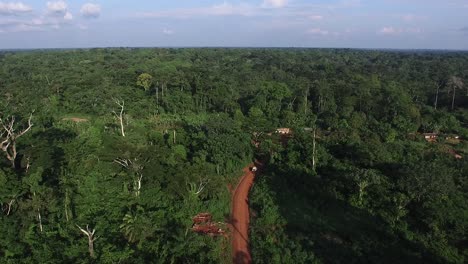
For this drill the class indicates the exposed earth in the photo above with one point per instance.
(240, 217)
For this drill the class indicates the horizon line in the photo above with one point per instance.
(232, 47)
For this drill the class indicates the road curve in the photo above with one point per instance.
(240, 218)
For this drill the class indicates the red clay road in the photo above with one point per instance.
(240, 218)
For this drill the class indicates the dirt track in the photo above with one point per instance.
(240, 218)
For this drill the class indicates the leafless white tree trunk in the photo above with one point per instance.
(195, 189)
(157, 93)
(47, 79)
(137, 174)
(120, 115)
(453, 98)
(8, 206)
(137, 184)
(8, 137)
(456, 83)
(39, 218)
(437, 96)
(91, 239)
(67, 199)
(28, 164)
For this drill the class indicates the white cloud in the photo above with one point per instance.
(35, 23)
(25, 28)
(275, 3)
(389, 31)
(68, 16)
(224, 9)
(318, 31)
(20, 25)
(14, 8)
(229, 9)
(168, 31)
(397, 31)
(90, 10)
(58, 8)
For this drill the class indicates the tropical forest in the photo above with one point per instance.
(244, 155)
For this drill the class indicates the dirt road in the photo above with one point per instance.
(240, 218)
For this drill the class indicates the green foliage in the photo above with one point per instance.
(145, 80)
(367, 188)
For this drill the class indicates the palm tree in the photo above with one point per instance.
(136, 226)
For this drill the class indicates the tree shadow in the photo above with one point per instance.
(232, 221)
(241, 258)
(53, 134)
(333, 230)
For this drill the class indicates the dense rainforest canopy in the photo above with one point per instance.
(107, 154)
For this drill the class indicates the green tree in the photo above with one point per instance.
(145, 80)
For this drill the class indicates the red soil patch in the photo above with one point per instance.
(240, 217)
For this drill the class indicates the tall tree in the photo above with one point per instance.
(91, 239)
(9, 137)
(145, 80)
(120, 116)
(455, 83)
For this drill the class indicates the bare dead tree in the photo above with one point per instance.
(123, 162)
(157, 93)
(456, 83)
(91, 239)
(137, 183)
(9, 137)
(438, 85)
(137, 169)
(7, 207)
(28, 164)
(195, 189)
(119, 116)
(39, 217)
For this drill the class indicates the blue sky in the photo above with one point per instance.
(428, 24)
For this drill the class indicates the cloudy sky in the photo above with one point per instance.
(429, 24)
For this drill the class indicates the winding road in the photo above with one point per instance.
(240, 217)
